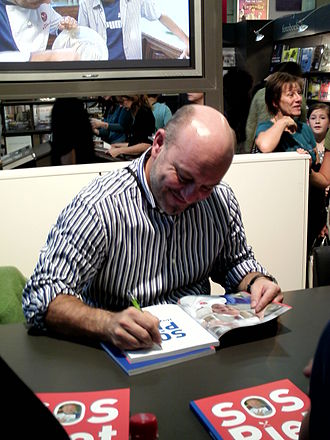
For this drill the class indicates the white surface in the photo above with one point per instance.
(272, 190)
(179, 332)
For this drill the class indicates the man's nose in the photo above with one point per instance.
(190, 193)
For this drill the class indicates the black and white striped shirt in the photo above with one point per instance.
(112, 239)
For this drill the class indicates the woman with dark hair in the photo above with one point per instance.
(140, 136)
(71, 144)
(284, 131)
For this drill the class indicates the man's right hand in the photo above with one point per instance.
(132, 329)
(129, 329)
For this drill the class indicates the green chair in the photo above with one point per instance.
(12, 283)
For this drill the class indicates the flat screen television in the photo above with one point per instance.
(161, 54)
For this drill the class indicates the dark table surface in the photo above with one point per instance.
(246, 357)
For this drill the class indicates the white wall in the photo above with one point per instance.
(272, 190)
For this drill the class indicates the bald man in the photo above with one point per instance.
(159, 228)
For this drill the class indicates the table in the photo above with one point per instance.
(48, 364)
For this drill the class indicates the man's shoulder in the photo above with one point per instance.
(111, 184)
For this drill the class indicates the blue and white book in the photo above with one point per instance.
(141, 367)
(179, 332)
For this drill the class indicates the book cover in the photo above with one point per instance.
(91, 415)
(141, 367)
(324, 94)
(285, 54)
(220, 314)
(317, 57)
(324, 65)
(273, 410)
(294, 53)
(306, 57)
(179, 332)
(314, 86)
(277, 53)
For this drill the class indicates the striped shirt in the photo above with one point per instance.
(112, 239)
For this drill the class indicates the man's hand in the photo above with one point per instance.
(67, 23)
(128, 329)
(132, 329)
(263, 292)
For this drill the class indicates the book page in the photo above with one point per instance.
(219, 314)
(179, 332)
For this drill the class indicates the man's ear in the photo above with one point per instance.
(158, 142)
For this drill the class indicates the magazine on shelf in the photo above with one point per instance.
(273, 410)
(317, 57)
(306, 57)
(91, 415)
(192, 328)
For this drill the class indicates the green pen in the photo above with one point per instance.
(136, 304)
(134, 301)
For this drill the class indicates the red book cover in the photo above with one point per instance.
(270, 411)
(91, 415)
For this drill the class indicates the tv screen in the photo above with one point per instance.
(99, 39)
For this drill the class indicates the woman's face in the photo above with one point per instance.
(291, 99)
(127, 103)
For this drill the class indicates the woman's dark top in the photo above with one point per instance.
(143, 127)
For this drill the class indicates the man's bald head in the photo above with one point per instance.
(189, 157)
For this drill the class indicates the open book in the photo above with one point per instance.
(192, 329)
(219, 314)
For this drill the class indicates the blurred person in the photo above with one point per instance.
(72, 135)
(139, 138)
(237, 85)
(25, 26)
(321, 179)
(258, 111)
(119, 24)
(161, 111)
(116, 122)
(318, 117)
(315, 423)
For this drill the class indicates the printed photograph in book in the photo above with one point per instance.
(270, 411)
(91, 415)
(219, 314)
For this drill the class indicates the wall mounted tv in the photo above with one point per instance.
(115, 39)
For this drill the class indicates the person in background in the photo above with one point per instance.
(157, 229)
(321, 179)
(237, 85)
(116, 122)
(284, 131)
(72, 135)
(119, 24)
(25, 26)
(161, 111)
(318, 116)
(315, 422)
(140, 136)
(259, 112)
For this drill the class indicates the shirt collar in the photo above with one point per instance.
(141, 175)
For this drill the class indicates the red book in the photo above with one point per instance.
(96, 414)
(270, 411)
